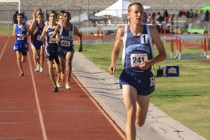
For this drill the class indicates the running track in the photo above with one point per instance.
(30, 110)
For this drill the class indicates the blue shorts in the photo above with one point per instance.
(37, 45)
(143, 81)
(23, 48)
(62, 51)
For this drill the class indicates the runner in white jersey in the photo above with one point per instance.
(136, 80)
(51, 49)
(66, 33)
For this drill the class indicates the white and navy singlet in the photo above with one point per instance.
(136, 48)
(52, 47)
(66, 37)
(49, 34)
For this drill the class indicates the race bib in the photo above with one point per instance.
(20, 37)
(136, 59)
(65, 43)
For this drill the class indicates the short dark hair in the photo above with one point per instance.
(68, 13)
(134, 3)
(20, 14)
(39, 14)
(52, 12)
(62, 11)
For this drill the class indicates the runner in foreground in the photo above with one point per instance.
(136, 80)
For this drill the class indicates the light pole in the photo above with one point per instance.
(87, 14)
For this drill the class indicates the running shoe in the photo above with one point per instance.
(36, 69)
(62, 77)
(59, 84)
(41, 69)
(55, 89)
(68, 86)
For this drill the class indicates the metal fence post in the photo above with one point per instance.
(8, 22)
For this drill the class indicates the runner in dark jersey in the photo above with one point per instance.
(38, 45)
(62, 61)
(66, 33)
(51, 49)
(136, 80)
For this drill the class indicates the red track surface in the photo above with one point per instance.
(30, 110)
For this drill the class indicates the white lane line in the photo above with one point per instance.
(4, 47)
(116, 127)
(44, 134)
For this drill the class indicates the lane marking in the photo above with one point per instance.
(5, 123)
(116, 127)
(5, 46)
(44, 134)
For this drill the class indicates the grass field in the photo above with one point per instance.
(5, 29)
(185, 98)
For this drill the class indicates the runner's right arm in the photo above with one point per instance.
(14, 28)
(116, 50)
(56, 32)
(44, 32)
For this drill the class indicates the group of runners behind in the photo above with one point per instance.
(52, 39)
(138, 40)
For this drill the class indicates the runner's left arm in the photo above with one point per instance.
(76, 32)
(160, 47)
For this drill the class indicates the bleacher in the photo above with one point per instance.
(101, 4)
(77, 7)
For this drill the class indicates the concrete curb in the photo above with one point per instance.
(104, 88)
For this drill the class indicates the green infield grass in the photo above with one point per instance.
(185, 98)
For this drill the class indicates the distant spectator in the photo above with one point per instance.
(200, 11)
(171, 21)
(109, 20)
(153, 18)
(159, 18)
(149, 18)
(94, 22)
(15, 17)
(188, 14)
(191, 14)
(180, 13)
(145, 18)
(24, 18)
(166, 16)
(206, 17)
